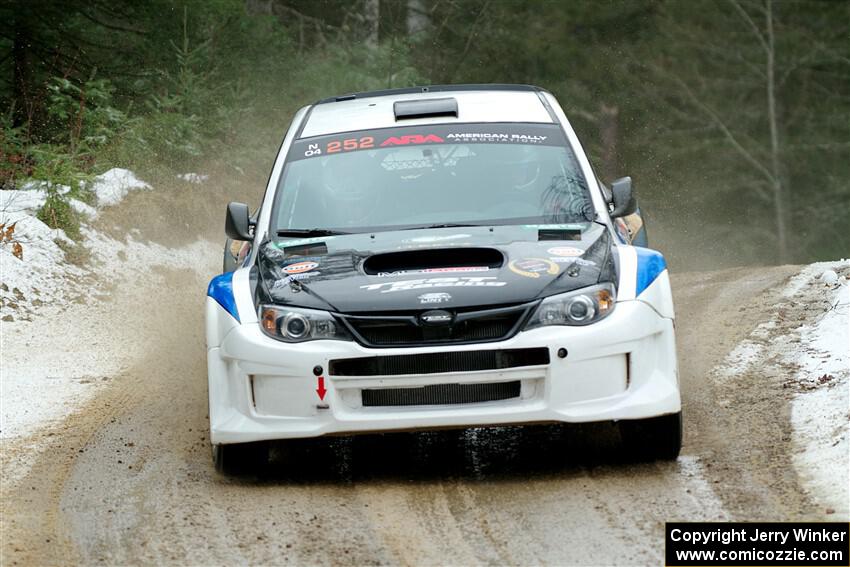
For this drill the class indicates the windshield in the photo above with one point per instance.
(468, 174)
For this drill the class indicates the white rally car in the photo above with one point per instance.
(437, 257)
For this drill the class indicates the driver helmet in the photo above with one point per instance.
(350, 191)
(520, 166)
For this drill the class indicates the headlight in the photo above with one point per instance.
(581, 307)
(295, 325)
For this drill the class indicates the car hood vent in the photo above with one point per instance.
(436, 260)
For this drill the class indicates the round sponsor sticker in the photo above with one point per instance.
(533, 267)
(568, 251)
(300, 267)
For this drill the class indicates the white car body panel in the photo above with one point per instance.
(622, 367)
(619, 368)
(377, 112)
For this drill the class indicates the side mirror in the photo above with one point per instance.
(237, 223)
(624, 200)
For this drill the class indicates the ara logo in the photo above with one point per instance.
(411, 139)
(436, 317)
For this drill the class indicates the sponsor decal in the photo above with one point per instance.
(412, 139)
(428, 239)
(430, 298)
(311, 240)
(533, 267)
(453, 269)
(491, 137)
(436, 317)
(568, 251)
(577, 261)
(284, 282)
(461, 281)
(300, 267)
(450, 270)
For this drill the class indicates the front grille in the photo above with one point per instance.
(440, 394)
(436, 362)
(467, 327)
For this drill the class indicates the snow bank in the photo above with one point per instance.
(112, 186)
(820, 413)
(31, 197)
(27, 201)
(808, 340)
(42, 275)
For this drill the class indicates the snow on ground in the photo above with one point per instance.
(30, 198)
(808, 342)
(37, 390)
(112, 186)
(820, 413)
(41, 276)
(54, 308)
(196, 178)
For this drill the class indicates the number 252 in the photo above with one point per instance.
(351, 144)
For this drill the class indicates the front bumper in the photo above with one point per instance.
(623, 367)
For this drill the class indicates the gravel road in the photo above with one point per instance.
(128, 479)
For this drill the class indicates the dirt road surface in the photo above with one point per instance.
(128, 479)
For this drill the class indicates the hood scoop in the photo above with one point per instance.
(558, 234)
(434, 260)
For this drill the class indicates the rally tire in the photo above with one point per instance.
(240, 458)
(654, 438)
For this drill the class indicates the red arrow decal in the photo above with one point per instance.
(321, 389)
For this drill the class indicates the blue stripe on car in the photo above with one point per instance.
(221, 289)
(650, 263)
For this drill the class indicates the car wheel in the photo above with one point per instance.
(240, 458)
(653, 438)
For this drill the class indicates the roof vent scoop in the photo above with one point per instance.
(425, 108)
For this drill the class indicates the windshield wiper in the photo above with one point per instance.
(442, 225)
(308, 232)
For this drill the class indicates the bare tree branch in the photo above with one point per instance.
(746, 17)
(478, 18)
(115, 27)
(721, 125)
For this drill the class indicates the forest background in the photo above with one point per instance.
(731, 116)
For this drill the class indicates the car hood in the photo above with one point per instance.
(446, 268)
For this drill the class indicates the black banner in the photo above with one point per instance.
(427, 135)
(814, 544)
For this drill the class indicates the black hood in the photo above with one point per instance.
(434, 268)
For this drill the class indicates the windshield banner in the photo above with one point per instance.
(428, 135)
